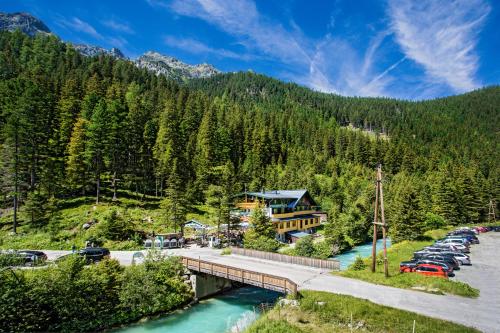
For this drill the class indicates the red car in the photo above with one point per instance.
(481, 229)
(431, 270)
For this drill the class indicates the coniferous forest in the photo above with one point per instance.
(72, 126)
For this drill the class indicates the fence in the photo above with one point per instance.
(262, 280)
(333, 265)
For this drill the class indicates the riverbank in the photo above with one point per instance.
(319, 312)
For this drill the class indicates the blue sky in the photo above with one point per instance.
(412, 49)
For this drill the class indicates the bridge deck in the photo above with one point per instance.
(259, 279)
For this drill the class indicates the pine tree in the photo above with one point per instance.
(97, 143)
(405, 210)
(175, 204)
(76, 167)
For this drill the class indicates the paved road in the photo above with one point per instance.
(482, 313)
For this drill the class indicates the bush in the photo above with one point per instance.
(305, 247)
(322, 250)
(117, 226)
(358, 264)
(70, 297)
(254, 241)
(10, 259)
(226, 251)
(433, 221)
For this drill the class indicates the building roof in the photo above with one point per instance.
(195, 225)
(294, 195)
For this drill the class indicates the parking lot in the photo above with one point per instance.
(484, 273)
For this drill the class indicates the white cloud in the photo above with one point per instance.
(81, 26)
(197, 47)
(330, 64)
(441, 36)
(240, 18)
(118, 26)
(78, 25)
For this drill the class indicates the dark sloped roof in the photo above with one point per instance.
(294, 195)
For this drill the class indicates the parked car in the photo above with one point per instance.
(431, 270)
(407, 266)
(435, 249)
(481, 229)
(32, 257)
(456, 241)
(451, 247)
(90, 254)
(94, 254)
(462, 258)
(448, 259)
(446, 267)
(472, 239)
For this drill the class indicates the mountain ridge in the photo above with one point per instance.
(153, 61)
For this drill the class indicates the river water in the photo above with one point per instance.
(364, 250)
(229, 312)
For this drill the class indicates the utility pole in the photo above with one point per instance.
(491, 211)
(379, 205)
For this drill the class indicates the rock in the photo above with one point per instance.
(91, 51)
(290, 302)
(173, 68)
(86, 226)
(24, 22)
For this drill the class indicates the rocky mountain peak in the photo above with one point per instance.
(25, 22)
(172, 67)
(91, 50)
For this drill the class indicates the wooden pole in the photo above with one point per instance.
(375, 221)
(384, 226)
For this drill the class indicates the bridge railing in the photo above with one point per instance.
(262, 280)
(333, 265)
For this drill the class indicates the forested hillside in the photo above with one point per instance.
(72, 125)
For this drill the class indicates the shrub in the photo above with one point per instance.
(305, 247)
(117, 226)
(257, 242)
(322, 250)
(358, 264)
(10, 259)
(433, 221)
(226, 251)
(70, 297)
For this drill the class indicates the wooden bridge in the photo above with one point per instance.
(245, 276)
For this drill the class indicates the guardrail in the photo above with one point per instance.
(257, 279)
(333, 265)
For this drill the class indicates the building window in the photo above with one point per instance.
(288, 224)
(307, 222)
(293, 224)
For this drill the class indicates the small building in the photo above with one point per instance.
(289, 210)
(196, 225)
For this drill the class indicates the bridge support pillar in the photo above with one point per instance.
(205, 285)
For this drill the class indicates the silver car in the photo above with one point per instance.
(462, 258)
